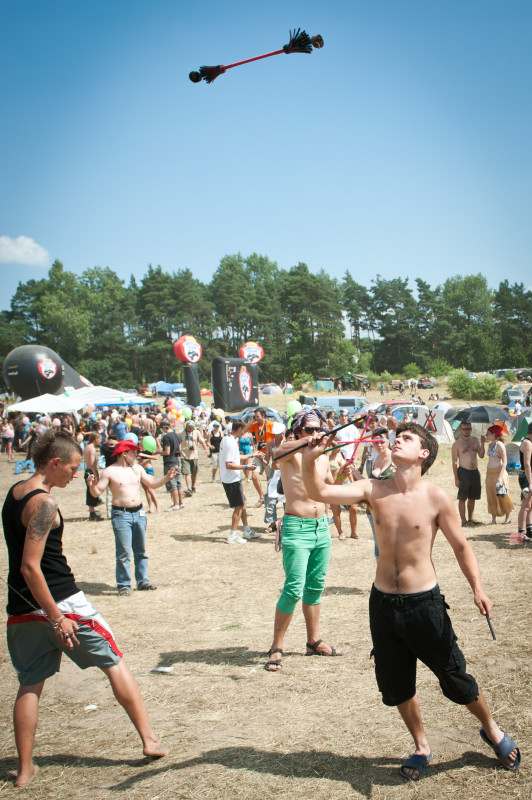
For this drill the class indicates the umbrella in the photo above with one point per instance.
(488, 414)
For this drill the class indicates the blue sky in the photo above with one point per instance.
(401, 149)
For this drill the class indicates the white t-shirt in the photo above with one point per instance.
(229, 452)
(347, 435)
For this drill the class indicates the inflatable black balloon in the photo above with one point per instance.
(32, 370)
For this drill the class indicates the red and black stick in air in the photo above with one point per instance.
(300, 42)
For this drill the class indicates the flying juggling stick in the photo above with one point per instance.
(332, 432)
(300, 42)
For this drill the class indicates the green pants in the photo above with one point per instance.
(306, 548)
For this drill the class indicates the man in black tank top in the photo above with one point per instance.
(48, 615)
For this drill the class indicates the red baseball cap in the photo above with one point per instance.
(124, 445)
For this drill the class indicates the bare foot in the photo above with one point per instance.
(154, 749)
(24, 778)
(354, 536)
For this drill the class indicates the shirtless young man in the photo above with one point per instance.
(306, 544)
(128, 518)
(408, 616)
(48, 615)
(466, 474)
(90, 456)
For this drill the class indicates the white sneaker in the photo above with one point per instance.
(174, 508)
(234, 538)
(249, 533)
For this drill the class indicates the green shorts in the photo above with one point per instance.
(36, 652)
(306, 548)
(189, 466)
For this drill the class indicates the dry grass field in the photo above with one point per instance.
(315, 730)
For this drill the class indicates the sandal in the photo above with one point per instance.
(503, 749)
(417, 762)
(316, 652)
(276, 663)
(271, 528)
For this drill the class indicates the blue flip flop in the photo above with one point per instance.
(418, 762)
(503, 749)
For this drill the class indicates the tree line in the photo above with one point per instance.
(120, 334)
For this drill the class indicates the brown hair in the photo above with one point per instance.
(427, 440)
(239, 423)
(54, 445)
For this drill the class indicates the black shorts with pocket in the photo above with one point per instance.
(235, 494)
(470, 485)
(405, 628)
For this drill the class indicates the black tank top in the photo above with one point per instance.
(522, 460)
(57, 573)
(216, 442)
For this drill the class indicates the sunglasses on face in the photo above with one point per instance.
(310, 430)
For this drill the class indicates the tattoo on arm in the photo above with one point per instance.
(41, 521)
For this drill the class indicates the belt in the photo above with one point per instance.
(131, 509)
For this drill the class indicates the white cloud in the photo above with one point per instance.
(23, 250)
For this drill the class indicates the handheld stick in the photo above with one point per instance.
(332, 432)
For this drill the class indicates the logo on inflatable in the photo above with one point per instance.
(187, 348)
(244, 380)
(252, 352)
(47, 368)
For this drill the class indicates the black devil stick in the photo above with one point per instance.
(332, 432)
(491, 627)
(300, 42)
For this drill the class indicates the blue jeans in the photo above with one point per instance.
(129, 529)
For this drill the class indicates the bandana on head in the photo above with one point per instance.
(304, 418)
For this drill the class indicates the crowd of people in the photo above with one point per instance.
(313, 468)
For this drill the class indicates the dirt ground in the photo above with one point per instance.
(317, 729)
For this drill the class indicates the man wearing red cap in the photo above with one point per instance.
(128, 518)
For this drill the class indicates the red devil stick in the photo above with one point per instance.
(353, 454)
(300, 42)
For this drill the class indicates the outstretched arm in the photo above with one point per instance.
(316, 485)
(97, 487)
(155, 483)
(467, 560)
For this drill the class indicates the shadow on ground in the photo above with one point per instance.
(362, 773)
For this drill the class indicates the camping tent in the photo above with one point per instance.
(271, 388)
(521, 425)
(162, 387)
(45, 404)
(103, 396)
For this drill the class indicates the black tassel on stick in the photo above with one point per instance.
(300, 42)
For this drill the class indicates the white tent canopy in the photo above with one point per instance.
(45, 404)
(103, 396)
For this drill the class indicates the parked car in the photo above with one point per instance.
(426, 383)
(524, 375)
(247, 414)
(398, 408)
(513, 393)
(351, 404)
